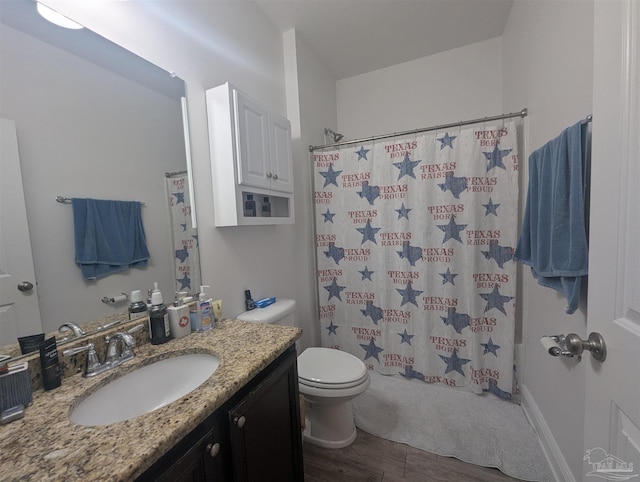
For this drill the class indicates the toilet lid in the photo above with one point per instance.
(327, 366)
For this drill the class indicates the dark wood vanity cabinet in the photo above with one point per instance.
(253, 437)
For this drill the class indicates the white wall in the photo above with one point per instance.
(548, 67)
(463, 83)
(311, 106)
(84, 131)
(207, 44)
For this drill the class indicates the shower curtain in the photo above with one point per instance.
(414, 244)
(185, 237)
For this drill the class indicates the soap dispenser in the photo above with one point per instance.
(159, 328)
(205, 311)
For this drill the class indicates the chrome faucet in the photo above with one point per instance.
(126, 342)
(122, 339)
(70, 326)
(92, 365)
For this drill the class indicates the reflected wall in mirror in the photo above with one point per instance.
(95, 122)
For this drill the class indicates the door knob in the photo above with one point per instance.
(595, 344)
(25, 286)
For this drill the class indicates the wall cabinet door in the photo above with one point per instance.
(252, 134)
(264, 146)
(280, 153)
(265, 430)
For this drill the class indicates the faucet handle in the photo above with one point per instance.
(92, 364)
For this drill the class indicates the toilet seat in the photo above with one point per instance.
(329, 369)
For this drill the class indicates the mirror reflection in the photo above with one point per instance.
(92, 120)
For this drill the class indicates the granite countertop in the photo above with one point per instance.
(46, 446)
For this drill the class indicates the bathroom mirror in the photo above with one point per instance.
(93, 120)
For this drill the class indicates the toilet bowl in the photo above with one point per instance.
(328, 379)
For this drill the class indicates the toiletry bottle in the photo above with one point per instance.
(179, 319)
(159, 329)
(266, 207)
(205, 311)
(138, 308)
(49, 364)
(250, 207)
(248, 301)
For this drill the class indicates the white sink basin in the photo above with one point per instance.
(144, 390)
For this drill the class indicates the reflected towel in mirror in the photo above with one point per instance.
(109, 236)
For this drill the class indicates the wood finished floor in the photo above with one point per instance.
(373, 459)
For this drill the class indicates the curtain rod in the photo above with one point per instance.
(522, 113)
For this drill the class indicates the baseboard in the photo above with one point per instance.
(557, 463)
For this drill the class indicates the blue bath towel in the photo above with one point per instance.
(553, 239)
(109, 236)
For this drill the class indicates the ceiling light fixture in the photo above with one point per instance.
(56, 18)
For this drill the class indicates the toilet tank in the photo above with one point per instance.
(282, 312)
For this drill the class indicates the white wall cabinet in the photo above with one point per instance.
(250, 150)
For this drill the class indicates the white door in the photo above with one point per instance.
(612, 412)
(19, 310)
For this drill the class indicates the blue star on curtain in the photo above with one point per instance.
(371, 350)
(490, 347)
(454, 363)
(405, 337)
(446, 140)
(362, 153)
(495, 300)
(406, 167)
(448, 277)
(332, 328)
(403, 212)
(334, 289)
(328, 216)
(330, 176)
(495, 158)
(366, 274)
(409, 294)
(491, 208)
(368, 233)
(451, 230)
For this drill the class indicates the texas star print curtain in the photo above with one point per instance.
(414, 240)
(186, 259)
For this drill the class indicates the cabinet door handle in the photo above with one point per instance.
(240, 421)
(275, 176)
(213, 449)
(268, 174)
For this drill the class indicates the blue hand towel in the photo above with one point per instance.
(109, 236)
(553, 239)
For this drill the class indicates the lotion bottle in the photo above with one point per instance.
(205, 311)
(159, 328)
(179, 319)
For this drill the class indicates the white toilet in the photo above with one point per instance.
(329, 379)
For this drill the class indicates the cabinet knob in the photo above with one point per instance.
(240, 421)
(268, 174)
(213, 449)
(275, 176)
